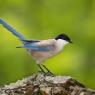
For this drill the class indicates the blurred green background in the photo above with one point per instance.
(43, 19)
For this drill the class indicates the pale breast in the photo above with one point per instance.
(40, 56)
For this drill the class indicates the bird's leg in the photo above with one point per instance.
(48, 70)
(41, 68)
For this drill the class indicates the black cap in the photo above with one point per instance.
(63, 37)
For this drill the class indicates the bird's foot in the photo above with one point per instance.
(41, 72)
(49, 74)
(46, 73)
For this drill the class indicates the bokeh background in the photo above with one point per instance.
(43, 19)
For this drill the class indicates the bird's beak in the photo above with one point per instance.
(71, 42)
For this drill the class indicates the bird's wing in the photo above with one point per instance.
(43, 45)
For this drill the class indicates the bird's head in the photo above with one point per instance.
(63, 38)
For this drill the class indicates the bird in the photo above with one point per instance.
(40, 50)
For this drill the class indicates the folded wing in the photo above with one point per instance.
(43, 45)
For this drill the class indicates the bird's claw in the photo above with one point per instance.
(46, 73)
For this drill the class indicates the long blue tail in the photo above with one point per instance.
(12, 30)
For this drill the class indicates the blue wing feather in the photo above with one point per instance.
(35, 47)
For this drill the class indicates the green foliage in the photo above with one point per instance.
(43, 19)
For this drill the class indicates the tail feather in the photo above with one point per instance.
(12, 30)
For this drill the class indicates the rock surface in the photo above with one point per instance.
(40, 84)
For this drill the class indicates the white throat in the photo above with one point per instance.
(61, 42)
